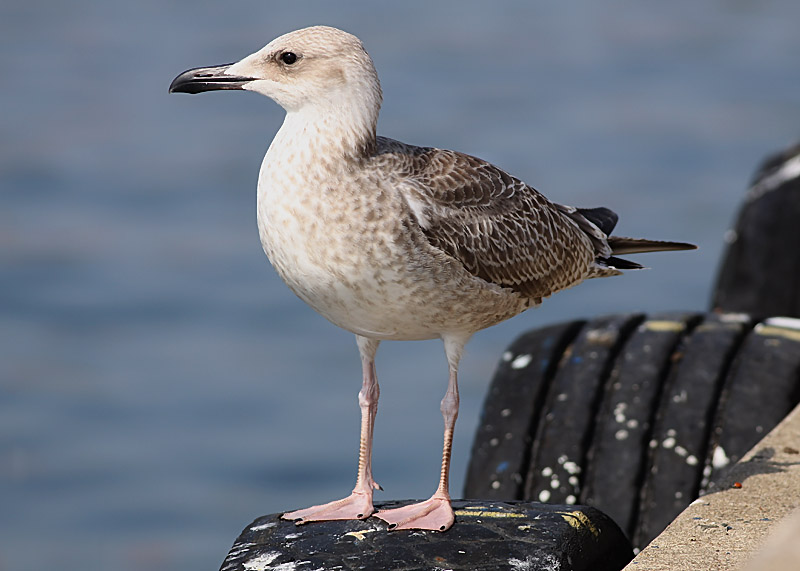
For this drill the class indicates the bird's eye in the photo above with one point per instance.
(288, 58)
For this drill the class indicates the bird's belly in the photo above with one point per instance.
(379, 310)
(358, 279)
(385, 305)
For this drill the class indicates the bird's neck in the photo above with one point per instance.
(324, 133)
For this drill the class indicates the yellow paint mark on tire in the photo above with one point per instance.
(662, 325)
(467, 512)
(580, 520)
(773, 331)
(359, 535)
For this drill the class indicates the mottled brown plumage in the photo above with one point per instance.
(501, 229)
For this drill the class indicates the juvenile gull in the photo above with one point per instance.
(393, 241)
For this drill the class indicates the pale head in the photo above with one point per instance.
(318, 66)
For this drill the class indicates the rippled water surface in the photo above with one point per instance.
(160, 387)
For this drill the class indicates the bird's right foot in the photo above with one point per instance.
(357, 505)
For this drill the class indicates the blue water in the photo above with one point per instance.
(160, 387)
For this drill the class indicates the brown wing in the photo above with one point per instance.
(501, 229)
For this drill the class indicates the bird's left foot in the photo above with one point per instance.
(357, 505)
(434, 514)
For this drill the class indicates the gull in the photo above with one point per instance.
(397, 242)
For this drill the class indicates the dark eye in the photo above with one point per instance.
(288, 58)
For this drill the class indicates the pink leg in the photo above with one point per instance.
(358, 505)
(435, 514)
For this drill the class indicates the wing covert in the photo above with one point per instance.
(498, 227)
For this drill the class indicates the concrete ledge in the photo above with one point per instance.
(725, 528)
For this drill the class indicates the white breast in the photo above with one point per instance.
(313, 226)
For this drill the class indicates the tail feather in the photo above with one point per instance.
(598, 223)
(603, 218)
(612, 265)
(621, 264)
(621, 245)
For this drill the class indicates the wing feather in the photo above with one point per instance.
(498, 227)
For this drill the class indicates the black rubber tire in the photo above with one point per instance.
(760, 271)
(488, 536)
(502, 447)
(634, 415)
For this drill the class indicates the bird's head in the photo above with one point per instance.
(319, 66)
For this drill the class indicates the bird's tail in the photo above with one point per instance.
(620, 245)
(598, 223)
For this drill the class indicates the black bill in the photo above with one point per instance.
(202, 79)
